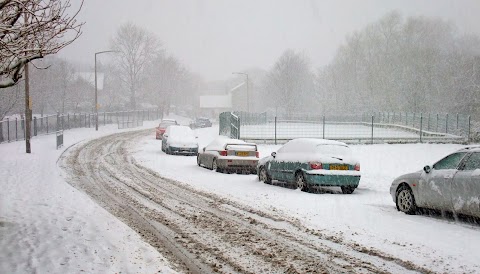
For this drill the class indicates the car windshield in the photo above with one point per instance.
(165, 124)
(181, 132)
(333, 150)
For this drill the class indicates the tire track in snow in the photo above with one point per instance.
(203, 233)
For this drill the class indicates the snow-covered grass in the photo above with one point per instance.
(47, 226)
(368, 216)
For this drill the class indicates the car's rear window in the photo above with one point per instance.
(241, 147)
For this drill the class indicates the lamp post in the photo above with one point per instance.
(248, 103)
(96, 92)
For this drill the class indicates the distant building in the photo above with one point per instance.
(213, 105)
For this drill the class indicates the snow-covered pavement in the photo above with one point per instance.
(47, 226)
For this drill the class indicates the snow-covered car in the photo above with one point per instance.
(162, 127)
(229, 155)
(201, 122)
(179, 140)
(311, 162)
(451, 184)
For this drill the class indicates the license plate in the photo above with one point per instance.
(338, 167)
(242, 153)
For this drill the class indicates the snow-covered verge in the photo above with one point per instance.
(367, 217)
(47, 226)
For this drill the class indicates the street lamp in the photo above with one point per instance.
(243, 73)
(96, 92)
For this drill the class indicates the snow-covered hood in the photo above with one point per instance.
(183, 142)
(413, 175)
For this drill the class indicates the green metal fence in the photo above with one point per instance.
(378, 127)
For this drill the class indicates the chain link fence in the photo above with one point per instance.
(378, 127)
(13, 128)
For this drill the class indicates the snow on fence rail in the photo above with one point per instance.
(13, 129)
(376, 128)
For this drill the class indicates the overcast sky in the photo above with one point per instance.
(215, 37)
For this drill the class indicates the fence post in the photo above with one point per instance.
(406, 118)
(428, 122)
(323, 127)
(456, 127)
(8, 129)
(436, 130)
(468, 132)
(47, 122)
(275, 129)
(421, 125)
(373, 117)
(446, 123)
(104, 118)
(16, 129)
(34, 126)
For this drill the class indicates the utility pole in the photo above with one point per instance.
(248, 101)
(28, 105)
(28, 111)
(96, 91)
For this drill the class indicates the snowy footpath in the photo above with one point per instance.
(48, 226)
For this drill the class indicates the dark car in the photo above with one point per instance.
(200, 122)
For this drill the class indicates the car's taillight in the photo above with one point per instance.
(357, 167)
(257, 154)
(316, 165)
(223, 153)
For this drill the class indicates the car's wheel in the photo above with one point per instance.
(263, 176)
(215, 166)
(347, 189)
(405, 200)
(198, 161)
(301, 182)
(167, 150)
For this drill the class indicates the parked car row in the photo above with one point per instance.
(451, 184)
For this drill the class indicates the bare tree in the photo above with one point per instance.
(137, 47)
(33, 29)
(289, 82)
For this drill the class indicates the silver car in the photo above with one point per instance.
(451, 184)
(229, 155)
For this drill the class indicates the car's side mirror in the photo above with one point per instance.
(274, 154)
(427, 169)
(203, 149)
(165, 135)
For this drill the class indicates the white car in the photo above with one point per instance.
(179, 140)
(230, 155)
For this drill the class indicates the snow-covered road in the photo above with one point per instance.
(367, 218)
(203, 232)
(207, 221)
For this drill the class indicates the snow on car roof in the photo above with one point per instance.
(307, 144)
(475, 148)
(169, 120)
(221, 141)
